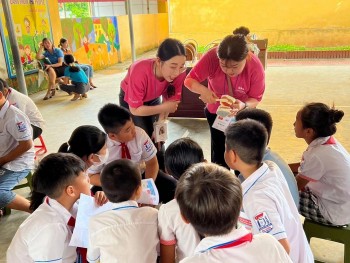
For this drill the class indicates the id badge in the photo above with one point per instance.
(221, 123)
(160, 131)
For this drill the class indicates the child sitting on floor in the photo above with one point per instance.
(324, 172)
(210, 199)
(177, 239)
(80, 83)
(268, 206)
(126, 233)
(45, 235)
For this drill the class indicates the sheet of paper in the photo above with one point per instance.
(149, 194)
(86, 209)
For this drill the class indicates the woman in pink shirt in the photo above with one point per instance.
(231, 69)
(150, 79)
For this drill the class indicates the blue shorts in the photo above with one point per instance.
(8, 180)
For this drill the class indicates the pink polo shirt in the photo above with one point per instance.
(249, 84)
(140, 84)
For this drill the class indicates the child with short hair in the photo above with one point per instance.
(45, 235)
(265, 118)
(125, 140)
(210, 199)
(268, 206)
(324, 172)
(126, 233)
(177, 239)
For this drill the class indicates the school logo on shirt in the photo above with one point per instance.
(148, 146)
(263, 222)
(21, 126)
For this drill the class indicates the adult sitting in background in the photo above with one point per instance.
(80, 84)
(89, 71)
(53, 61)
(27, 106)
(16, 153)
(265, 118)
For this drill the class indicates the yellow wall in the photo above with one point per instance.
(149, 31)
(308, 23)
(55, 21)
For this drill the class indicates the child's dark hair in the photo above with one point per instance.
(69, 60)
(55, 172)
(180, 155)
(170, 48)
(85, 140)
(248, 139)
(242, 30)
(233, 47)
(259, 115)
(120, 179)
(321, 118)
(210, 198)
(113, 117)
(62, 41)
(3, 85)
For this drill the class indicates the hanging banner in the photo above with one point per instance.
(32, 24)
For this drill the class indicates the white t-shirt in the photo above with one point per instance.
(326, 164)
(141, 149)
(174, 231)
(262, 248)
(26, 105)
(44, 236)
(15, 127)
(126, 233)
(268, 207)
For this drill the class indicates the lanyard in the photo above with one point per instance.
(233, 243)
(125, 207)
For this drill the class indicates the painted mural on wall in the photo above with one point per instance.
(31, 22)
(94, 41)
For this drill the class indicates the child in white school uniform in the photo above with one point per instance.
(210, 198)
(177, 239)
(268, 206)
(130, 142)
(45, 235)
(265, 118)
(126, 233)
(324, 172)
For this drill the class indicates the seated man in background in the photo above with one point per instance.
(27, 106)
(16, 153)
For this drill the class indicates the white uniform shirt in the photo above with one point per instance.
(174, 231)
(141, 149)
(26, 105)
(15, 127)
(125, 234)
(44, 236)
(262, 248)
(268, 207)
(326, 164)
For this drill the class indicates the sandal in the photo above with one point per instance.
(53, 92)
(84, 95)
(76, 96)
(47, 96)
(93, 86)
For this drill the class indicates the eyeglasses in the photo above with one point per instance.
(170, 90)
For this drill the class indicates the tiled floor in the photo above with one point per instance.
(288, 86)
